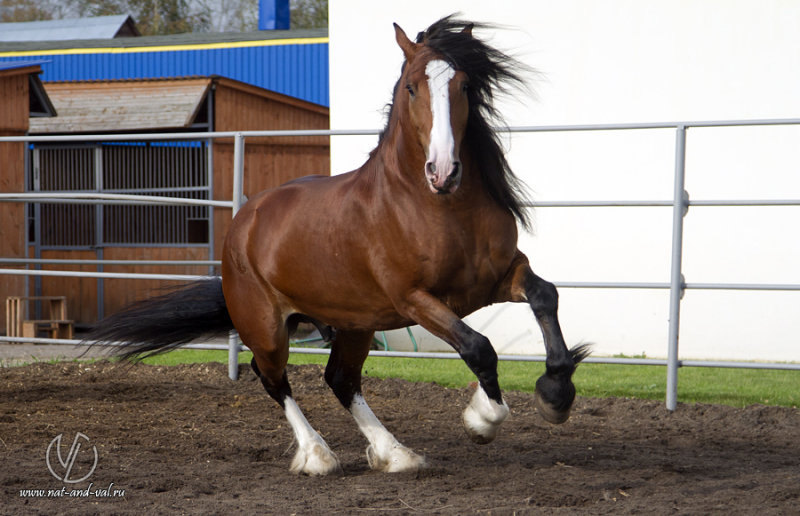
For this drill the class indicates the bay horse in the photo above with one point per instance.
(425, 232)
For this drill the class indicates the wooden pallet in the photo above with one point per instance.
(56, 326)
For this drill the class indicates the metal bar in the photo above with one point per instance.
(676, 276)
(190, 136)
(59, 261)
(611, 284)
(110, 275)
(757, 202)
(440, 355)
(646, 125)
(238, 192)
(596, 204)
(233, 355)
(656, 203)
(99, 240)
(368, 132)
(786, 287)
(119, 198)
(588, 360)
(75, 197)
(209, 164)
(742, 286)
(238, 172)
(37, 221)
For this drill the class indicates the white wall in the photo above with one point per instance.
(625, 61)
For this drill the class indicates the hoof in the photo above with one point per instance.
(482, 417)
(317, 460)
(553, 397)
(548, 413)
(399, 460)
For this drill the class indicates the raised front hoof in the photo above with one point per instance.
(548, 413)
(317, 460)
(553, 398)
(482, 418)
(399, 460)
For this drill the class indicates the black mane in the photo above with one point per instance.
(489, 71)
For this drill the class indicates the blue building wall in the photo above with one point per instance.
(298, 68)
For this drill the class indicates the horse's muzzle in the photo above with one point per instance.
(441, 183)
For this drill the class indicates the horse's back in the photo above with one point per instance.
(305, 242)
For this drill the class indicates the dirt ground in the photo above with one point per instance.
(186, 440)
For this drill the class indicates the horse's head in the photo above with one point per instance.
(436, 110)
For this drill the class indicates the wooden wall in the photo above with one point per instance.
(82, 293)
(269, 162)
(13, 122)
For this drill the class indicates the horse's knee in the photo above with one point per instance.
(542, 296)
(479, 355)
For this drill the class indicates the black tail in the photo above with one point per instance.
(162, 323)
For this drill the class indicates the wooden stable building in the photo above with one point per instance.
(198, 169)
(22, 97)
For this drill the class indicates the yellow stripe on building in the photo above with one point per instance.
(167, 48)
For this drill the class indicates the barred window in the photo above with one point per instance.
(170, 169)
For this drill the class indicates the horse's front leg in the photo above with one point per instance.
(487, 410)
(555, 391)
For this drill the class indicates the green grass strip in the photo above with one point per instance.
(735, 387)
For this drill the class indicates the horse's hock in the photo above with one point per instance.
(52, 323)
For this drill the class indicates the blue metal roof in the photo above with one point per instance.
(295, 67)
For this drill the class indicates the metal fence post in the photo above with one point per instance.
(238, 189)
(238, 171)
(679, 205)
(233, 355)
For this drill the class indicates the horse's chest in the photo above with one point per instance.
(469, 272)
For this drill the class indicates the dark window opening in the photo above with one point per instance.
(160, 169)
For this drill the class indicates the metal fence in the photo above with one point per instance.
(679, 203)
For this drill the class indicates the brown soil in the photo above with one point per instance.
(186, 440)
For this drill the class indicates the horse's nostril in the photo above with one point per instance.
(430, 167)
(456, 169)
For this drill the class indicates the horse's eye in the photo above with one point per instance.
(410, 89)
(464, 87)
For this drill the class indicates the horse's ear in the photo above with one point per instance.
(468, 29)
(409, 48)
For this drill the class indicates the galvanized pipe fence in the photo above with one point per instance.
(679, 203)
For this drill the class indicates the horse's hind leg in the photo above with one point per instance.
(343, 374)
(313, 456)
(263, 330)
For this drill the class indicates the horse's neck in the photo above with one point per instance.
(398, 162)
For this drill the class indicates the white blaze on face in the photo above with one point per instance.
(442, 145)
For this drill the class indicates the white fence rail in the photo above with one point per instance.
(680, 202)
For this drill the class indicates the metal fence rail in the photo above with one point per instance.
(679, 203)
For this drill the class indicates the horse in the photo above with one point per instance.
(424, 232)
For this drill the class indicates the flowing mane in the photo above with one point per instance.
(490, 71)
